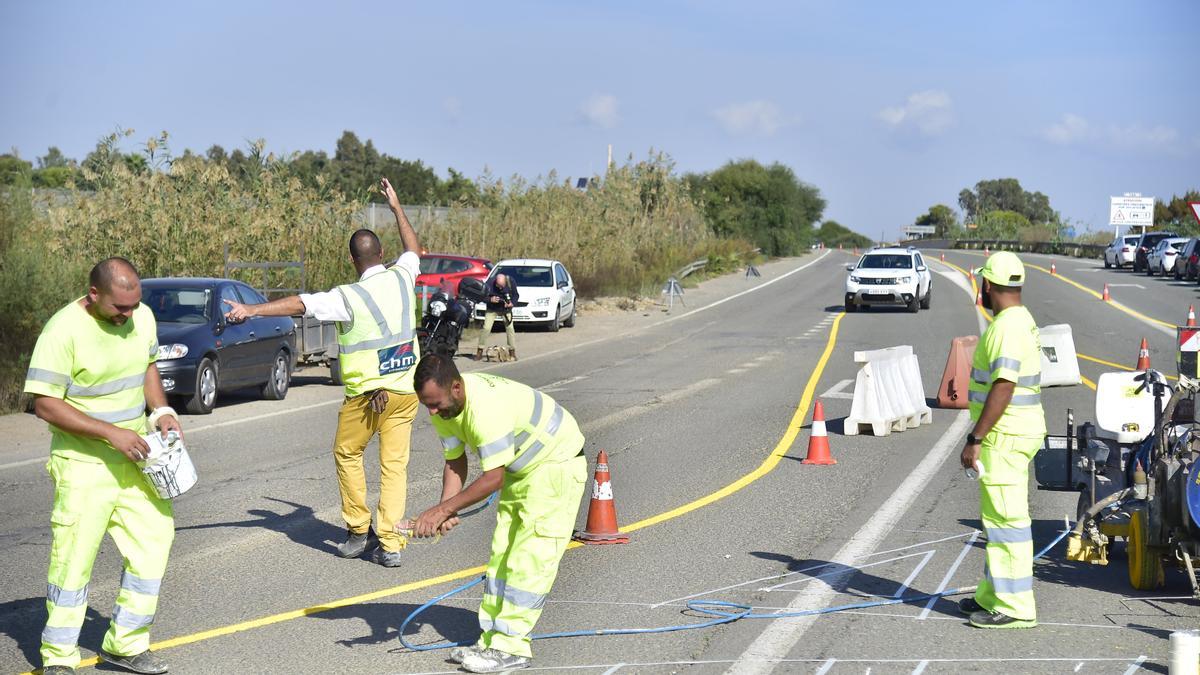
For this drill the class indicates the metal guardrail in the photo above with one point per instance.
(1053, 247)
(698, 265)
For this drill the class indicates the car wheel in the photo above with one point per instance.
(851, 307)
(335, 371)
(204, 397)
(553, 324)
(928, 298)
(1107, 265)
(276, 388)
(914, 305)
(570, 322)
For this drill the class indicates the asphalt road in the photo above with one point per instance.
(690, 406)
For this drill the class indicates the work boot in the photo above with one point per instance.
(355, 544)
(478, 354)
(385, 558)
(459, 653)
(145, 663)
(512, 353)
(61, 670)
(985, 619)
(493, 661)
(968, 606)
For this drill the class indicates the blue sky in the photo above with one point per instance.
(886, 107)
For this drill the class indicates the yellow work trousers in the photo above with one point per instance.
(1007, 585)
(489, 318)
(534, 519)
(357, 423)
(91, 498)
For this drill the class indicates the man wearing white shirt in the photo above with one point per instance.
(377, 351)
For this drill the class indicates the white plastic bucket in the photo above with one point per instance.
(168, 468)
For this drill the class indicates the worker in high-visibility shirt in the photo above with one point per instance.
(92, 374)
(529, 448)
(1004, 397)
(377, 350)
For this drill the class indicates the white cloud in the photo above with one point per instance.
(600, 110)
(453, 108)
(762, 118)
(1074, 129)
(928, 112)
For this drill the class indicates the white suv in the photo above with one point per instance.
(545, 290)
(889, 276)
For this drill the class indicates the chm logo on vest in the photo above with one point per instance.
(396, 359)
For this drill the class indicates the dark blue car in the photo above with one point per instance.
(200, 354)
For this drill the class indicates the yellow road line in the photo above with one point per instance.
(789, 437)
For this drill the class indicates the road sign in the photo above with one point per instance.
(1195, 207)
(1135, 211)
(920, 229)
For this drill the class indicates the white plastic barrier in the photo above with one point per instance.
(888, 393)
(1060, 365)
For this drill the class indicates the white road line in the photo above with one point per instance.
(912, 577)
(959, 281)
(836, 391)
(783, 634)
(1136, 665)
(612, 670)
(835, 573)
(1078, 666)
(949, 574)
(920, 668)
(825, 668)
(24, 462)
(1127, 286)
(736, 371)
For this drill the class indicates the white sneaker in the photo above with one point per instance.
(493, 661)
(459, 653)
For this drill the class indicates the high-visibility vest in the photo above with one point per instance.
(1010, 349)
(377, 348)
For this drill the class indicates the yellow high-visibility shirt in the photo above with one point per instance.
(1010, 349)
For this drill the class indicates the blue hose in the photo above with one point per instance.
(722, 611)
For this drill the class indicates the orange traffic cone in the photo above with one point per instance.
(602, 515)
(818, 439)
(986, 252)
(1143, 362)
(1105, 297)
(855, 250)
(979, 298)
(943, 257)
(1052, 270)
(1191, 315)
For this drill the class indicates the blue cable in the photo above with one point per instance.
(709, 607)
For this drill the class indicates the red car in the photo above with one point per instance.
(443, 270)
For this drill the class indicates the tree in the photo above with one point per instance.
(941, 217)
(768, 206)
(1005, 194)
(14, 170)
(833, 233)
(54, 159)
(1176, 214)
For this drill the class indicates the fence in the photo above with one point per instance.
(376, 216)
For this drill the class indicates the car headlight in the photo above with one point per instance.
(437, 307)
(173, 351)
(854, 279)
(541, 302)
(904, 280)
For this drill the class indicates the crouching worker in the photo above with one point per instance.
(530, 449)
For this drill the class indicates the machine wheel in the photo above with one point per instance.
(204, 397)
(1145, 562)
(928, 298)
(335, 371)
(276, 388)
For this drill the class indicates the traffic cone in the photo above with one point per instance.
(943, 257)
(1143, 362)
(602, 515)
(979, 298)
(986, 252)
(1105, 297)
(818, 439)
(1191, 315)
(1052, 270)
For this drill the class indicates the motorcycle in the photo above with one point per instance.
(446, 317)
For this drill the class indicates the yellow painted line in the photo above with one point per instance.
(772, 460)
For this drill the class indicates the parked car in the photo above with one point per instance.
(1121, 251)
(1146, 243)
(889, 276)
(443, 272)
(1162, 257)
(200, 354)
(547, 293)
(1185, 262)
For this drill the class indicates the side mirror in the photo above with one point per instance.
(921, 268)
(850, 267)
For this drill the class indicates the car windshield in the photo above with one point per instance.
(178, 305)
(886, 261)
(428, 265)
(528, 276)
(1131, 240)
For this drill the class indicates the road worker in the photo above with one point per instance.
(530, 449)
(1004, 397)
(92, 374)
(377, 352)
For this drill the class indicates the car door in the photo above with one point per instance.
(267, 334)
(566, 290)
(925, 278)
(235, 344)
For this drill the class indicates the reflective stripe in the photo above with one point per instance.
(1009, 535)
(499, 445)
(127, 619)
(106, 388)
(1005, 362)
(131, 582)
(977, 396)
(498, 626)
(514, 595)
(533, 418)
(1026, 399)
(1011, 586)
(527, 456)
(406, 298)
(371, 307)
(48, 376)
(1030, 381)
(451, 442)
(114, 416)
(60, 635)
(388, 338)
(349, 307)
(61, 598)
(981, 376)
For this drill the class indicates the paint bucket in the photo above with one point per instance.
(168, 468)
(1185, 653)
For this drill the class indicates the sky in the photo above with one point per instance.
(886, 107)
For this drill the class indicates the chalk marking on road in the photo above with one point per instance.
(783, 634)
(837, 390)
(949, 575)
(1127, 286)
(920, 668)
(913, 576)
(614, 669)
(12, 465)
(838, 572)
(735, 371)
(825, 668)
(1136, 665)
(772, 460)
(926, 543)
(1078, 666)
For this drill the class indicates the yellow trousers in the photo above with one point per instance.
(357, 424)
